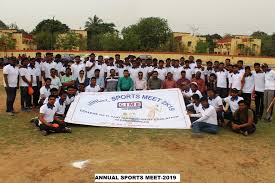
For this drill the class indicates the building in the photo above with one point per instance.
(82, 34)
(238, 45)
(188, 41)
(23, 41)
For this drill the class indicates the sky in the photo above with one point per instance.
(206, 16)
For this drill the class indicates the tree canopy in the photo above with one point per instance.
(3, 25)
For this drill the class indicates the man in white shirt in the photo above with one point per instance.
(269, 92)
(93, 87)
(101, 66)
(47, 66)
(90, 68)
(36, 73)
(248, 85)
(222, 76)
(207, 121)
(134, 71)
(144, 69)
(140, 83)
(231, 104)
(216, 102)
(236, 78)
(199, 68)
(162, 72)
(259, 80)
(188, 70)
(176, 71)
(77, 67)
(11, 74)
(25, 81)
(45, 91)
(55, 81)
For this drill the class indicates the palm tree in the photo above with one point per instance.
(92, 21)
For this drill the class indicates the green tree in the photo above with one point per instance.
(172, 45)
(110, 42)
(152, 33)
(131, 40)
(97, 28)
(211, 40)
(6, 42)
(268, 43)
(68, 41)
(46, 33)
(202, 47)
(3, 25)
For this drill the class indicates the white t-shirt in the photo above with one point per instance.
(188, 93)
(197, 92)
(60, 108)
(109, 68)
(76, 68)
(216, 102)
(34, 72)
(201, 70)
(177, 73)
(161, 73)
(259, 80)
(48, 113)
(249, 84)
(145, 71)
(24, 72)
(102, 69)
(92, 89)
(91, 72)
(237, 80)
(46, 67)
(270, 80)
(208, 115)
(134, 73)
(193, 65)
(230, 75)
(188, 73)
(55, 83)
(13, 73)
(221, 79)
(44, 92)
(234, 106)
(120, 71)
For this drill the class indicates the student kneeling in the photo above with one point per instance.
(48, 121)
(207, 121)
(243, 120)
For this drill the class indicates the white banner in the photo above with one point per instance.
(134, 109)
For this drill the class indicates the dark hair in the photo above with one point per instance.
(242, 102)
(161, 61)
(51, 96)
(69, 87)
(126, 70)
(77, 56)
(38, 53)
(100, 56)
(48, 79)
(199, 60)
(24, 59)
(183, 72)
(257, 64)
(240, 61)
(140, 72)
(155, 72)
(68, 68)
(117, 54)
(221, 63)
(212, 74)
(53, 90)
(234, 90)
(93, 78)
(204, 99)
(57, 56)
(247, 67)
(235, 65)
(195, 97)
(209, 62)
(97, 70)
(92, 54)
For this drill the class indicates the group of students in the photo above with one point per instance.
(51, 83)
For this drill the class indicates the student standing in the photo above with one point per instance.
(10, 73)
(247, 86)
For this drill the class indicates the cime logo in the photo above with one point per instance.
(130, 105)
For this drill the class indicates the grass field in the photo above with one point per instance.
(26, 156)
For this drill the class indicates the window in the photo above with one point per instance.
(189, 43)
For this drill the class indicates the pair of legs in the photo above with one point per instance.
(62, 128)
(11, 95)
(245, 130)
(259, 102)
(25, 98)
(199, 127)
(268, 98)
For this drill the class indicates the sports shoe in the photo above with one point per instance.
(68, 130)
(10, 113)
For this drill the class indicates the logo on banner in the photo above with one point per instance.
(129, 105)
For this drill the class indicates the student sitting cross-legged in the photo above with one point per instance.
(207, 121)
(48, 121)
(243, 119)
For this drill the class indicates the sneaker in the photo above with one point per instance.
(10, 113)
(44, 132)
(68, 130)
(197, 135)
(245, 133)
